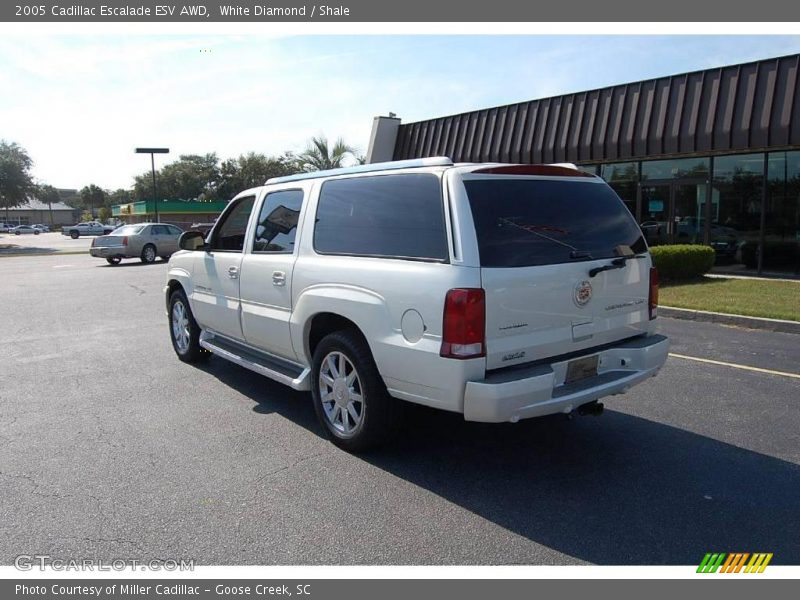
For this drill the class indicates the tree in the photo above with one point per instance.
(250, 170)
(319, 156)
(191, 176)
(16, 183)
(119, 196)
(49, 195)
(92, 196)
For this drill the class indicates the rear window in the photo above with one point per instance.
(128, 229)
(398, 216)
(529, 222)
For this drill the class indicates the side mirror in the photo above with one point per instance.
(192, 240)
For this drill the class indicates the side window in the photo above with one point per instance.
(398, 216)
(231, 228)
(159, 230)
(277, 223)
(174, 230)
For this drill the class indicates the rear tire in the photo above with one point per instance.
(114, 260)
(350, 398)
(184, 330)
(148, 254)
(74, 235)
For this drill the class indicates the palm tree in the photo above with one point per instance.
(48, 194)
(318, 156)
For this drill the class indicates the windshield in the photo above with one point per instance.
(527, 222)
(128, 230)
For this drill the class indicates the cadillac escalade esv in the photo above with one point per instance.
(497, 291)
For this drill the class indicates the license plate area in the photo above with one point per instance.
(581, 368)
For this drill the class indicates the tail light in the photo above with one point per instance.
(653, 293)
(464, 324)
(125, 240)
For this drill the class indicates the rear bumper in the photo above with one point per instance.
(109, 251)
(540, 390)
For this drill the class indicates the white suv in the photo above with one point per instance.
(500, 292)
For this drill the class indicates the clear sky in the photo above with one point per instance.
(81, 104)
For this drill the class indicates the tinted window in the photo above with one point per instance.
(277, 223)
(174, 230)
(230, 231)
(159, 230)
(525, 222)
(388, 215)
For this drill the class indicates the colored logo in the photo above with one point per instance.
(583, 293)
(735, 562)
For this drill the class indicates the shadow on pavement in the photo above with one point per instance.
(613, 490)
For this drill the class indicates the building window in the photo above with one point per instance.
(782, 221)
(623, 178)
(738, 187)
(679, 168)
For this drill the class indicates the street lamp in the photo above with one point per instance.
(151, 152)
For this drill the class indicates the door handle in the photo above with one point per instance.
(278, 278)
(233, 272)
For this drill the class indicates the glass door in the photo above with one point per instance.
(688, 219)
(655, 213)
(672, 212)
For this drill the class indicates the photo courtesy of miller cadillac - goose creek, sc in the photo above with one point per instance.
(196, 10)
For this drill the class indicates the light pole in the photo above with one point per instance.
(151, 152)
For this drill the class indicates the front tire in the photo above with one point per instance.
(74, 235)
(184, 330)
(149, 254)
(350, 398)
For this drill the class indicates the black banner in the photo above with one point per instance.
(339, 589)
(358, 11)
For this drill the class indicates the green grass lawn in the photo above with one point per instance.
(751, 297)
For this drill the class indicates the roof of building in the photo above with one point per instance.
(720, 110)
(34, 204)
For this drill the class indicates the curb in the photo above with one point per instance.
(56, 253)
(726, 319)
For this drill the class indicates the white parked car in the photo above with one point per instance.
(500, 292)
(86, 228)
(24, 230)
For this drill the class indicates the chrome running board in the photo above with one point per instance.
(279, 369)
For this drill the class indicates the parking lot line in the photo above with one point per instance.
(736, 366)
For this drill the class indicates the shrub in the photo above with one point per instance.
(682, 261)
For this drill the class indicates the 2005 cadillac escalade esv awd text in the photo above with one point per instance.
(497, 291)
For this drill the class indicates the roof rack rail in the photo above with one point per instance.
(434, 161)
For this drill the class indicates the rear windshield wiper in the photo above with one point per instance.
(617, 263)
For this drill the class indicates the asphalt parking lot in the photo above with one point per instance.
(44, 243)
(112, 448)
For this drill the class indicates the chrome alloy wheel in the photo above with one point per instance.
(341, 394)
(150, 254)
(180, 326)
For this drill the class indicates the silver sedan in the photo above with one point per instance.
(145, 241)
